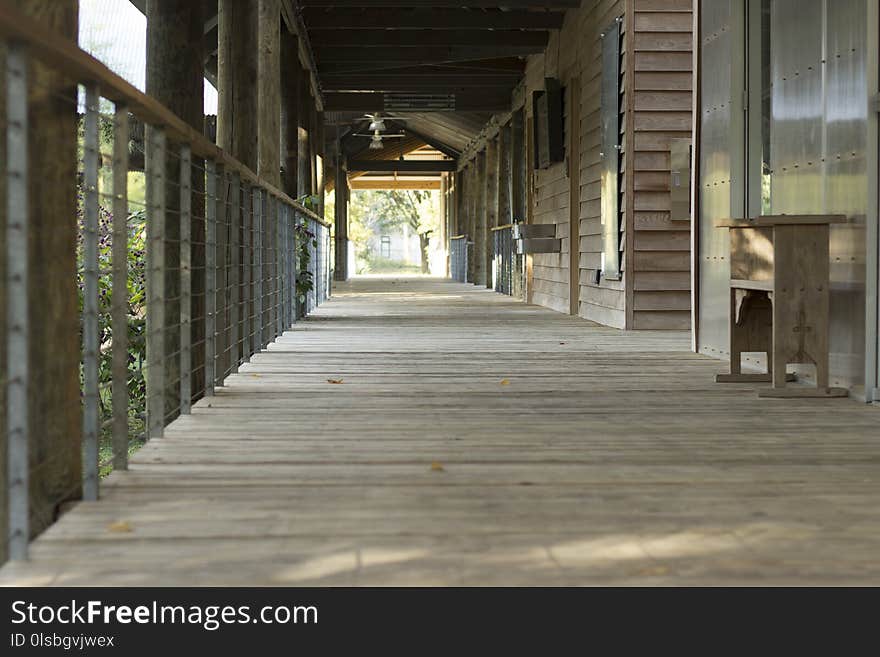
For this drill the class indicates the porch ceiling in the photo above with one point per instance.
(443, 69)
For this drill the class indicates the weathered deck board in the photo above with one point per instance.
(608, 458)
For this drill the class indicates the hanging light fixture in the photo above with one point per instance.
(377, 125)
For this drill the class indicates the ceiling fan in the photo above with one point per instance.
(377, 131)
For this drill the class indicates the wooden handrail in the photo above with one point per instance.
(64, 55)
(504, 227)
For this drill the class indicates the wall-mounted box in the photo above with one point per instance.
(532, 231)
(533, 245)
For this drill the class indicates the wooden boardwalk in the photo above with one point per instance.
(474, 440)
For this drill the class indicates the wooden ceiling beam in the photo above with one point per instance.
(513, 66)
(403, 166)
(429, 18)
(375, 102)
(423, 55)
(444, 83)
(421, 38)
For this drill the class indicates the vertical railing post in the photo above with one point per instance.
(294, 264)
(280, 257)
(234, 272)
(246, 222)
(185, 279)
(210, 275)
(17, 308)
(119, 296)
(221, 343)
(259, 206)
(156, 149)
(91, 265)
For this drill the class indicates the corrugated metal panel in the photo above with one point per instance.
(722, 165)
(818, 158)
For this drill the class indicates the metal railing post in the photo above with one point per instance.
(119, 296)
(156, 148)
(17, 311)
(221, 341)
(210, 275)
(185, 279)
(280, 257)
(234, 272)
(258, 268)
(294, 265)
(246, 222)
(90, 341)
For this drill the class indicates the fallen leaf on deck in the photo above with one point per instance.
(119, 527)
(505, 382)
(336, 382)
(437, 467)
(256, 376)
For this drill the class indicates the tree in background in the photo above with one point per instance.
(388, 210)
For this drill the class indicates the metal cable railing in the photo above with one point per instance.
(182, 272)
(458, 258)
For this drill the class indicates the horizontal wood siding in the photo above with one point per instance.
(656, 250)
(663, 88)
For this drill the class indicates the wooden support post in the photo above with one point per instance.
(574, 196)
(175, 77)
(46, 400)
(480, 227)
(319, 160)
(237, 73)
(304, 175)
(444, 220)
(291, 71)
(491, 201)
(341, 189)
(505, 198)
(269, 92)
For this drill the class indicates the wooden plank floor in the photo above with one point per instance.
(566, 453)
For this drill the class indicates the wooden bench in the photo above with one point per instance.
(779, 300)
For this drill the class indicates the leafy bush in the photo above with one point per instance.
(136, 324)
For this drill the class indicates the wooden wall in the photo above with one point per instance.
(654, 291)
(662, 110)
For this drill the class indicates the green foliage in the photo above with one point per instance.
(136, 319)
(306, 240)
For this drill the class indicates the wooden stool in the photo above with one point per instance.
(779, 300)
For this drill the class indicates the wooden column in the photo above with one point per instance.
(291, 72)
(54, 413)
(574, 198)
(491, 175)
(469, 205)
(237, 74)
(175, 77)
(320, 166)
(304, 177)
(269, 92)
(505, 206)
(340, 272)
(480, 225)
(444, 220)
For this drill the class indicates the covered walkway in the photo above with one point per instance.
(418, 431)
